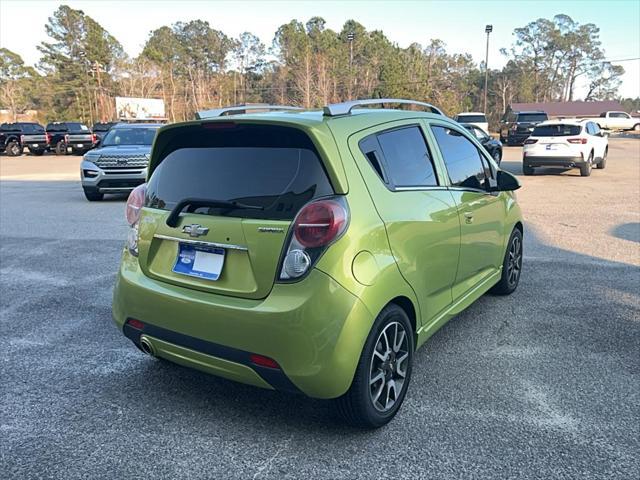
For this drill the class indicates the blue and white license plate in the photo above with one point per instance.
(199, 261)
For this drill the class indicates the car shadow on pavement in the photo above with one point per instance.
(515, 168)
(627, 231)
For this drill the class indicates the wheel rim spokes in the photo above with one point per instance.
(514, 265)
(389, 366)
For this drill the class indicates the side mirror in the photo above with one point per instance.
(506, 182)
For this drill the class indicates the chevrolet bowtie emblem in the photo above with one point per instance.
(195, 230)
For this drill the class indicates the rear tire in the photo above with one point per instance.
(61, 148)
(511, 266)
(93, 195)
(527, 170)
(585, 170)
(13, 149)
(636, 127)
(383, 372)
(603, 162)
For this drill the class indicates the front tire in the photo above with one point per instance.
(383, 372)
(636, 127)
(497, 156)
(511, 266)
(585, 170)
(93, 195)
(603, 162)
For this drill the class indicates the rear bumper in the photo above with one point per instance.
(314, 329)
(563, 161)
(110, 181)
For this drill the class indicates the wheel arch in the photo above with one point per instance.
(406, 304)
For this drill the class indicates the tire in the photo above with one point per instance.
(511, 266)
(13, 149)
(527, 170)
(36, 152)
(61, 148)
(502, 139)
(603, 162)
(636, 127)
(93, 195)
(585, 170)
(379, 359)
(497, 156)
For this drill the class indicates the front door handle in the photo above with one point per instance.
(468, 217)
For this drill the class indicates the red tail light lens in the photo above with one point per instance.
(135, 202)
(94, 138)
(47, 137)
(530, 141)
(21, 138)
(135, 323)
(318, 223)
(577, 140)
(66, 139)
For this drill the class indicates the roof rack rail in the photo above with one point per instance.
(239, 109)
(345, 108)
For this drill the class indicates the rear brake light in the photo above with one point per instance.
(21, 138)
(530, 141)
(263, 361)
(47, 137)
(94, 138)
(135, 203)
(577, 140)
(315, 227)
(66, 139)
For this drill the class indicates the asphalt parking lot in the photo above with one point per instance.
(542, 384)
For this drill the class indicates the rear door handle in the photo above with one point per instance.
(468, 217)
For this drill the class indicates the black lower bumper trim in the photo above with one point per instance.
(563, 162)
(274, 377)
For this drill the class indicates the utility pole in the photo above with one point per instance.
(350, 37)
(488, 29)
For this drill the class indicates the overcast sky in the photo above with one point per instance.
(459, 23)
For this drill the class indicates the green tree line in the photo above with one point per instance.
(192, 66)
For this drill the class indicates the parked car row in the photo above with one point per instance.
(60, 138)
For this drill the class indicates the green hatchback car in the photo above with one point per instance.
(314, 251)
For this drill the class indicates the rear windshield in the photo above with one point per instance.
(556, 130)
(471, 118)
(102, 127)
(274, 168)
(532, 117)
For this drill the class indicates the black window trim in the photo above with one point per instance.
(388, 183)
(483, 158)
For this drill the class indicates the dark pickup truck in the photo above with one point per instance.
(15, 136)
(515, 127)
(100, 129)
(76, 136)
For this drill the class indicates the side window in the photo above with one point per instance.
(407, 157)
(371, 149)
(464, 162)
(589, 128)
(595, 128)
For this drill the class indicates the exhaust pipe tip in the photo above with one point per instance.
(147, 347)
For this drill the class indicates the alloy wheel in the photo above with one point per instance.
(514, 265)
(389, 363)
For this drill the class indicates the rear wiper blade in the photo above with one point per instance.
(193, 203)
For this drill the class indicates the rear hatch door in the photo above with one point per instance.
(269, 171)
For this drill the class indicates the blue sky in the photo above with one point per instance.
(459, 23)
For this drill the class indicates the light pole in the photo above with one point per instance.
(350, 37)
(488, 29)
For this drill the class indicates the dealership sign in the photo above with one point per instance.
(129, 108)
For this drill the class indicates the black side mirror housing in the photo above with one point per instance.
(506, 182)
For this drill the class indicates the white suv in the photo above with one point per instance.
(566, 144)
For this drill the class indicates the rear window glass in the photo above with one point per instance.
(471, 118)
(532, 117)
(129, 136)
(275, 168)
(556, 130)
(102, 127)
(57, 127)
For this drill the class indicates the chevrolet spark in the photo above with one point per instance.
(314, 251)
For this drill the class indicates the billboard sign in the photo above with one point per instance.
(129, 108)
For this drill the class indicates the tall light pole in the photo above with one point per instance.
(350, 37)
(488, 29)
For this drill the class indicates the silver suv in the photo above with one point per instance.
(119, 163)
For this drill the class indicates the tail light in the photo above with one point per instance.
(47, 137)
(135, 202)
(94, 138)
(530, 141)
(21, 139)
(66, 138)
(317, 225)
(577, 140)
